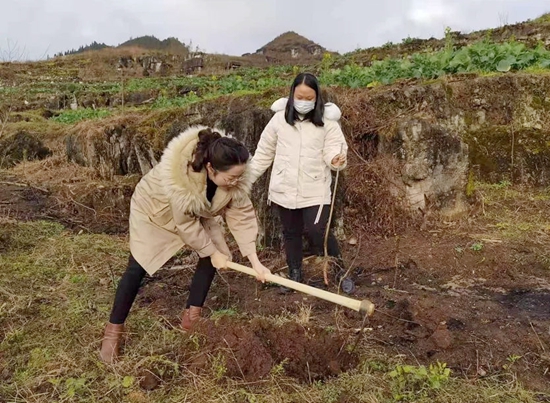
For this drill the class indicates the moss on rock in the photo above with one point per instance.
(21, 146)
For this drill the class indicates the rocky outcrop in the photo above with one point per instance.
(434, 167)
(21, 146)
(114, 149)
(504, 120)
(430, 139)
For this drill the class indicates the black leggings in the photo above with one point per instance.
(294, 221)
(130, 283)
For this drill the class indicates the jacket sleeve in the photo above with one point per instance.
(242, 222)
(265, 151)
(334, 140)
(192, 232)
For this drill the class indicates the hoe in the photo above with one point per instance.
(364, 307)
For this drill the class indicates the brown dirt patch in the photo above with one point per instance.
(437, 299)
(250, 350)
(19, 201)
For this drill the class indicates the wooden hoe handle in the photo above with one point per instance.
(364, 307)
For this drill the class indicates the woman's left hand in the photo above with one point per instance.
(339, 160)
(261, 270)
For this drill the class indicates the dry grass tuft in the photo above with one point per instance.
(78, 196)
(375, 202)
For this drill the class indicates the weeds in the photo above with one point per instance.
(516, 212)
(477, 246)
(220, 313)
(543, 19)
(410, 382)
(4, 118)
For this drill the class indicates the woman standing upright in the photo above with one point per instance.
(304, 142)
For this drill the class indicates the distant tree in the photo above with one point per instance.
(12, 52)
(150, 42)
(92, 46)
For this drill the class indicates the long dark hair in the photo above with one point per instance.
(221, 152)
(316, 115)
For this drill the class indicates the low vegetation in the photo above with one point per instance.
(481, 57)
(484, 57)
(55, 295)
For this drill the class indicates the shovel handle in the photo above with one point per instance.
(364, 307)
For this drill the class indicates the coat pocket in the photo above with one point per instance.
(277, 182)
(312, 178)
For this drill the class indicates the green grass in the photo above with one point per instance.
(55, 295)
(70, 116)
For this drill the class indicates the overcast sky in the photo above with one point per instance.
(238, 26)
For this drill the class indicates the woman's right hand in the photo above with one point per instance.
(219, 260)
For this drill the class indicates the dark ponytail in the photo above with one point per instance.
(221, 152)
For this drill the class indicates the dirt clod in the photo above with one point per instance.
(442, 337)
(149, 381)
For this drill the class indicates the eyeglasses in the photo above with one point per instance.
(229, 179)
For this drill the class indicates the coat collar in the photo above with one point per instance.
(186, 188)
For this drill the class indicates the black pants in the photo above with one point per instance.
(130, 283)
(294, 221)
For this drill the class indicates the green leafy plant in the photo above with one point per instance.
(477, 247)
(279, 369)
(512, 359)
(128, 381)
(75, 386)
(223, 312)
(410, 382)
(481, 57)
(449, 41)
(408, 40)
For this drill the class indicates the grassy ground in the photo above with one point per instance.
(55, 296)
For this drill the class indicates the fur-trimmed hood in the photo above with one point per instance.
(187, 188)
(332, 112)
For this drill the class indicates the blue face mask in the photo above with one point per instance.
(303, 107)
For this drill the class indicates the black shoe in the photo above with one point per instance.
(294, 274)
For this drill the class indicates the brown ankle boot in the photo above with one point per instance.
(110, 344)
(189, 317)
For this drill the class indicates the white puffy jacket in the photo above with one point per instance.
(301, 157)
